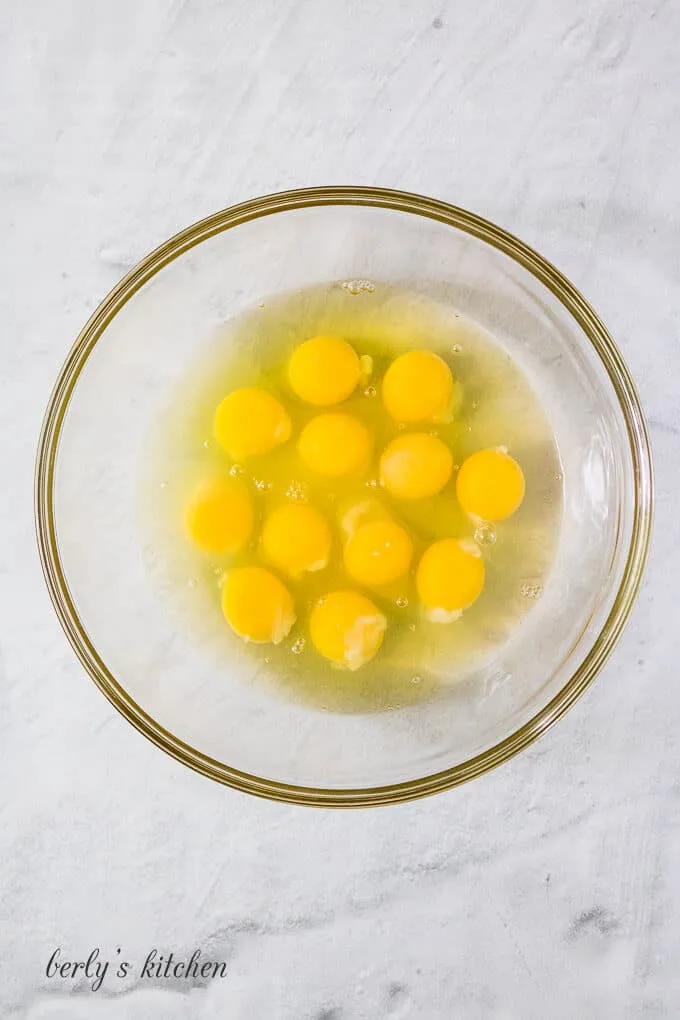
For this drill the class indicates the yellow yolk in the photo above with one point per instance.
(490, 485)
(257, 606)
(220, 516)
(335, 445)
(324, 370)
(347, 628)
(418, 386)
(250, 422)
(450, 577)
(378, 553)
(297, 539)
(415, 466)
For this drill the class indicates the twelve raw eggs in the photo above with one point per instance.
(371, 550)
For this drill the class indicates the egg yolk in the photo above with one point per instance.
(418, 386)
(335, 445)
(378, 553)
(450, 577)
(220, 517)
(490, 485)
(257, 606)
(324, 370)
(415, 466)
(297, 539)
(347, 628)
(249, 422)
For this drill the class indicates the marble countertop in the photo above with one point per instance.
(548, 888)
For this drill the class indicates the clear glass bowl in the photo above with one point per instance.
(130, 355)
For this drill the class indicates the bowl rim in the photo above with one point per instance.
(400, 201)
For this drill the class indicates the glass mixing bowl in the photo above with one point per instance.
(145, 335)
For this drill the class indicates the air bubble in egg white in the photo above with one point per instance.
(485, 534)
(356, 287)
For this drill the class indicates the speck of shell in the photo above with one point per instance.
(411, 626)
(416, 679)
(267, 659)
(235, 469)
(164, 485)
(261, 305)
(355, 287)
(531, 591)
(485, 534)
(558, 476)
(455, 348)
(297, 492)
(372, 483)
(401, 602)
(206, 444)
(261, 485)
(475, 405)
(298, 647)
(437, 23)
(370, 391)
(401, 426)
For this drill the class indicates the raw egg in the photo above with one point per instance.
(335, 445)
(418, 386)
(450, 577)
(378, 553)
(296, 538)
(324, 370)
(354, 516)
(415, 466)
(220, 517)
(249, 422)
(347, 628)
(257, 605)
(490, 485)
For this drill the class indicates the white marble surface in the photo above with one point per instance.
(549, 888)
